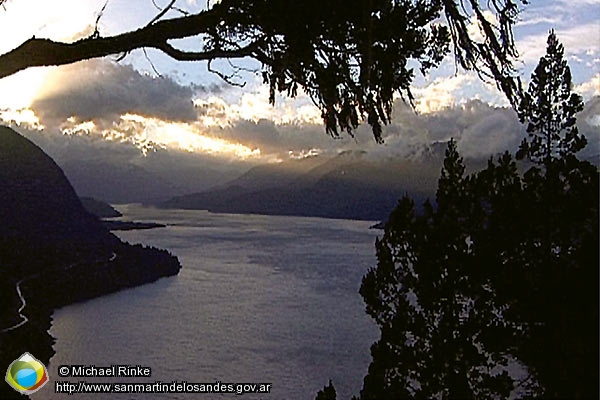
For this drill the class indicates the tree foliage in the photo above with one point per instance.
(426, 295)
(350, 57)
(502, 272)
(549, 108)
(494, 289)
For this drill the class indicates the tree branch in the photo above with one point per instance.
(181, 55)
(162, 12)
(350, 63)
(226, 78)
(100, 14)
(44, 52)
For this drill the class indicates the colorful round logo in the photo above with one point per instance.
(27, 374)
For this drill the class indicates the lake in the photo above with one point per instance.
(259, 299)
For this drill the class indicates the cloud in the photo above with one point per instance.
(104, 90)
(21, 117)
(590, 88)
(533, 46)
(535, 20)
(576, 3)
(496, 132)
(253, 105)
(151, 134)
(448, 92)
(588, 122)
(440, 94)
(475, 29)
(479, 128)
(108, 102)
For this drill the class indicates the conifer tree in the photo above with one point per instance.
(501, 271)
(549, 107)
(427, 298)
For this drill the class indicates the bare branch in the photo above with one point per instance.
(226, 78)
(151, 64)
(156, 5)
(238, 68)
(122, 56)
(162, 12)
(349, 68)
(180, 10)
(100, 14)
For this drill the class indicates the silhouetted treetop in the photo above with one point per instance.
(549, 108)
(328, 393)
(350, 56)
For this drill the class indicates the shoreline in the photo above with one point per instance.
(128, 267)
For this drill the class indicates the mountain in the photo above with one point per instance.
(53, 252)
(99, 208)
(268, 176)
(37, 203)
(116, 182)
(350, 185)
(261, 177)
(119, 173)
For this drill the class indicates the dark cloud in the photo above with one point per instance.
(213, 88)
(480, 129)
(104, 90)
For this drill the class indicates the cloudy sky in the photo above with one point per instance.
(187, 109)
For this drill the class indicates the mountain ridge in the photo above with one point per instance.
(53, 252)
(348, 186)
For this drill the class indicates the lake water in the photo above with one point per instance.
(259, 299)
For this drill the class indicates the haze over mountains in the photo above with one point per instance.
(299, 170)
(349, 185)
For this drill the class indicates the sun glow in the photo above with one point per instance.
(64, 20)
(61, 20)
(18, 91)
(150, 134)
(23, 117)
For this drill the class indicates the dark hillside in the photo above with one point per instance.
(54, 252)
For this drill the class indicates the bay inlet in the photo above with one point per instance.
(266, 299)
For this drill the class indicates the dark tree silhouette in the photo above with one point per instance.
(328, 393)
(351, 57)
(427, 295)
(549, 108)
(555, 299)
(495, 288)
(502, 272)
